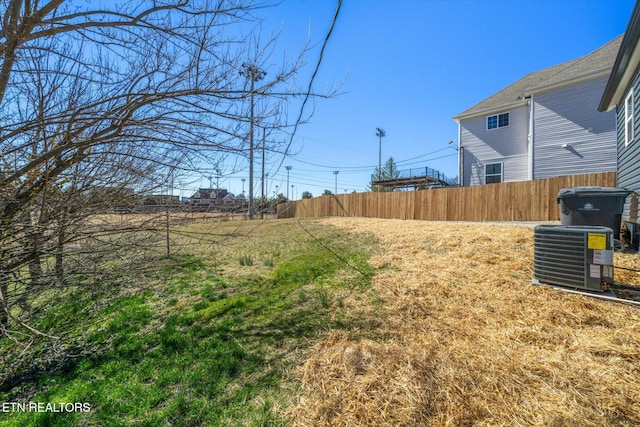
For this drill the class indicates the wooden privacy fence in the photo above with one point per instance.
(509, 201)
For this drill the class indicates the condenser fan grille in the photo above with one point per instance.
(573, 256)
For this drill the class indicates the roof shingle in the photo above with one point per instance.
(599, 61)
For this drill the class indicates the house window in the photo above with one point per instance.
(628, 119)
(497, 121)
(493, 173)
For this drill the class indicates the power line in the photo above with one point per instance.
(313, 77)
(372, 167)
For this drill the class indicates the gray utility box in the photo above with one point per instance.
(593, 206)
(573, 256)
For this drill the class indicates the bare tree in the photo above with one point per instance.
(98, 103)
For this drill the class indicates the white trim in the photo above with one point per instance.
(484, 176)
(531, 140)
(628, 118)
(490, 111)
(626, 78)
(460, 158)
(497, 116)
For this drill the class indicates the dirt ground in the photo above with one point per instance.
(453, 333)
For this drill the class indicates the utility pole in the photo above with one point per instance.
(264, 137)
(460, 150)
(288, 168)
(380, 133)
(336, 174)
(253, 74)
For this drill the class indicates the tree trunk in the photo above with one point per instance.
(59, 266)
(4, 300)
(33, 240)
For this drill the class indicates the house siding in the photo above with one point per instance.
(569, 115)
(629, 156)
(507, 145)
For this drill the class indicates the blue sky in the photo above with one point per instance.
(408, 67)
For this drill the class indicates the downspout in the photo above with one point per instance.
(531, 139)
(460, 158)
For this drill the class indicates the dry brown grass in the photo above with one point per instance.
(462, 338)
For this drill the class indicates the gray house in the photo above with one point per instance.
(622, 93)
(544, 125)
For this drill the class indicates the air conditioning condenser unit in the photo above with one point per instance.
(579, 257)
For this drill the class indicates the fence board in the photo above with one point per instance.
(509, 201)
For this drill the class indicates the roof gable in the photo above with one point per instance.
(599, 61)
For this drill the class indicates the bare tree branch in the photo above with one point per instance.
(99, 107)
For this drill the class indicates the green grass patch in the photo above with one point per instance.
(203, 342)
(246, 260)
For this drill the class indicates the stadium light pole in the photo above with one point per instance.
(253, 74)
(380, 133)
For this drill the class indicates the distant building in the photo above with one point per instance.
(211, 197)
(228, 200)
